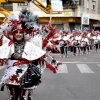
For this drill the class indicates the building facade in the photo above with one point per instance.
(70, 17)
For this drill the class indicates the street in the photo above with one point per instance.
(69, 27)
(78, 78)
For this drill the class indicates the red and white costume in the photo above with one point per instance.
(29, 52)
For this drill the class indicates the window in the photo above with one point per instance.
(68, 4)
(7, 6)
(94, 5)
(87, 3)
(82, 3)
(23, 4)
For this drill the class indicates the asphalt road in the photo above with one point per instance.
(78, 78)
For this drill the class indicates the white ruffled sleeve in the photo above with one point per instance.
(4, 51)
(32, 52)
(37, 40)
(5, 40)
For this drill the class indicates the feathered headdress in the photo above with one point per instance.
(26, 21)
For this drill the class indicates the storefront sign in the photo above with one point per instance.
(96, 25)
(56, 5)
(85, 19)
(67, 13)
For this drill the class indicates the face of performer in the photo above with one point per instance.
(18, 35)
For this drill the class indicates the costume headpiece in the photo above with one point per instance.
(26, 21)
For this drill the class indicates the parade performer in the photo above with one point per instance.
(96, 43)
(74, 46)
(65, 44)
(83, 41)
(94, 37)
(23, 50)
(61, 48)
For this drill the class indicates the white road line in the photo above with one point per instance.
(1, 67)
(62, 69)
(81, 62)
(84, 68)
(98, 65)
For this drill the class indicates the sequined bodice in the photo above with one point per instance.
(19, 47)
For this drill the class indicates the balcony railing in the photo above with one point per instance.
(7, 6)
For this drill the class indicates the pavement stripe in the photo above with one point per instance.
(84, 68)
(1, 67)
(98, 65)
(62, 69)
(80, 62)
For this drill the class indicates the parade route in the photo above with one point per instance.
(78, 78)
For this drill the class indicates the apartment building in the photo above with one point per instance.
(71, 16)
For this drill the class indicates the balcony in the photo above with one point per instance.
(70, 7)
(7, 6)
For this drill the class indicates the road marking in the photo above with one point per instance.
(84, 68)
(62, 69)
(98, 65)
(1, 67)
(80, 62)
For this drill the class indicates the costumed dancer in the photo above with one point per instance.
(86, 41)
(83, 46)
(66, 41)
(96, 42)
(98, 37)
(89, 41)
(79, 42)
(83, 42)
(61, 42)
(71, 43)
(23, 50)
(74, 42)
(78, 50)
(65, 44)
(87, 46)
